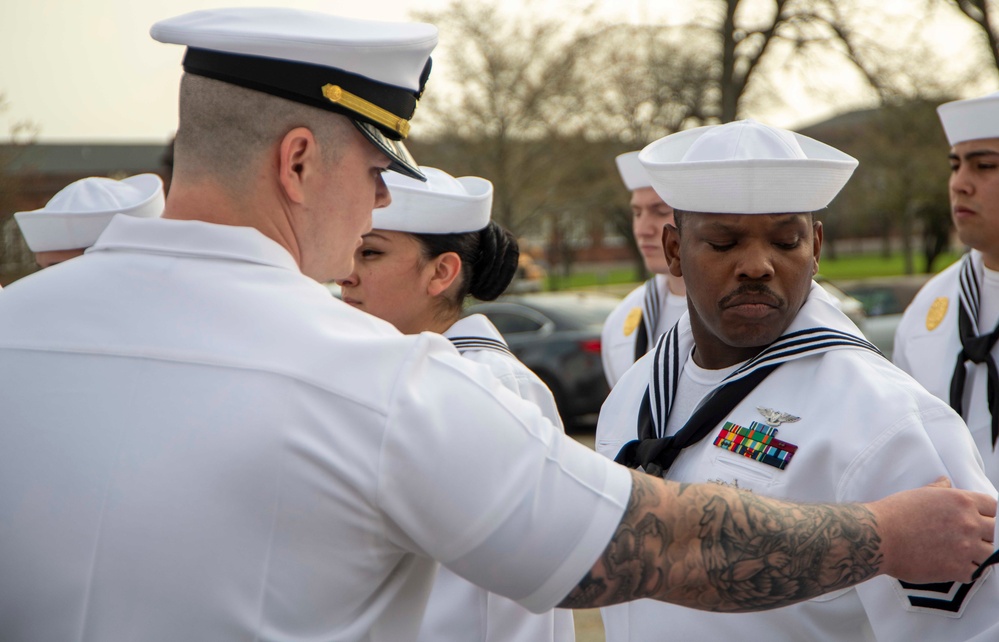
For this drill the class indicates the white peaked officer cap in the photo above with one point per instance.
(633, 175)
(372, 72)
(745, 167)
(442, 205)
(970, 119)
(76, 216)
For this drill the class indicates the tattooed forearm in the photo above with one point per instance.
(720, 549)
(760, 554)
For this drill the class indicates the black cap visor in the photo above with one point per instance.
(402, 161)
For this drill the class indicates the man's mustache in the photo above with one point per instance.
(752, 293)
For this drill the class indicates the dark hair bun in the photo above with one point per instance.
(496, 263)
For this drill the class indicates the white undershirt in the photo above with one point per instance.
(676, 305)
(988, 308)
(695, 383)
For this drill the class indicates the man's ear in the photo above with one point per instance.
(298, 154)
(446, 269)
(816, 246)
(671, 247)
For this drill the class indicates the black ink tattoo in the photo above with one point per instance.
(757, 554)
(722, 549)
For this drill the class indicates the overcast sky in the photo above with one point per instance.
(87, 70)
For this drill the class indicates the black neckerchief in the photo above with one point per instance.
(654, 451)
(974, 347)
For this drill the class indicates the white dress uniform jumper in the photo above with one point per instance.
(835, 423)
(947, 337)
(818, 415)
(459, 611)
(634, 326)
(928, 346)
(648, 311)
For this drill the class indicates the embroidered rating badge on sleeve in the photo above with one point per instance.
(945, 598)
(758, 442)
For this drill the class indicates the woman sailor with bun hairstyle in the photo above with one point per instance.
(433, 246)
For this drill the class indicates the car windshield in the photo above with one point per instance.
(575, 309)
(885, 296)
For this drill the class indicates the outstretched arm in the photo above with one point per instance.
(720, 549)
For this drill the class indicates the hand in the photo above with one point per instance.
(935, 533)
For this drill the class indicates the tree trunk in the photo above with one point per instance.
(730, 89)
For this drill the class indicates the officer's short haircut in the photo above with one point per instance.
(225, 128)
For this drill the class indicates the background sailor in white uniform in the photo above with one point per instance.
(652, 308)
(73, 219)
(835, 421)
(963, 300)
(199, 443)
(433, 246)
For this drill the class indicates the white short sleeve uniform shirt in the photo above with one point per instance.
(199, 443)
(459, 611)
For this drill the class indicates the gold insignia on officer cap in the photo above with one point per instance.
(374, 73)
(936, 313)
(632, 320)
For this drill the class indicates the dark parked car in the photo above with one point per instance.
(850, 306)
(557, 335)
(884, 301)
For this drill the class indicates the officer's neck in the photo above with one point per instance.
(209, 201)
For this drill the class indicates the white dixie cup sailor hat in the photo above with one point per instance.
(745, 167)
(441, 205)
(372, 72)
(633, 175)
(971, 119)
(79, 212)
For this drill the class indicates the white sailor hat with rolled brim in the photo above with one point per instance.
(633, 175)
(79, 212)
(745, 167)
(372, 72)
(441, 205)
(971, 119)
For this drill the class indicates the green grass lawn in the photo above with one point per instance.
(590, 279)
(871, 265)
